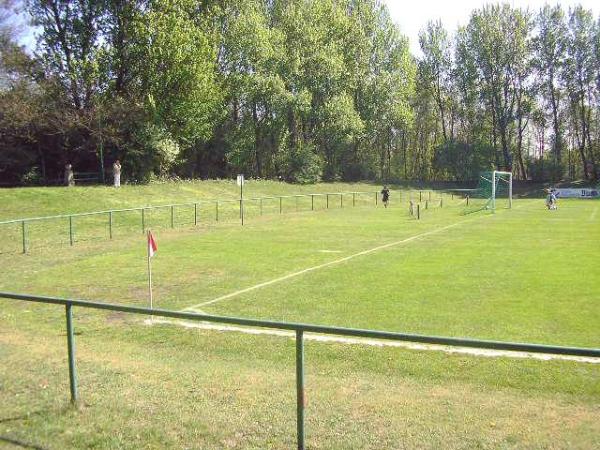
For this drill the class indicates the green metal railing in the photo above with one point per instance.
(107, 227)
(298, 328)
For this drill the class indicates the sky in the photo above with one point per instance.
(412, 15)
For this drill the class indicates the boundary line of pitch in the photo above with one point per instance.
(365, 342)
(331, 263)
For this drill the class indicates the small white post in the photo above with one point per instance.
(494, 191)
(510, 191)
(149, 270)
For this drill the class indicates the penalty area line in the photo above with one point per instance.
(327, 264)
(366, 342)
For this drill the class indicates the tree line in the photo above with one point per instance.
(301, 90)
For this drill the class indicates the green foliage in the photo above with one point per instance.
(178, 78)
(461, 162)
(153, 152)
(257, 85)
(302, 166)
(543, 169)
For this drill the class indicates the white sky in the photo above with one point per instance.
(413, 15)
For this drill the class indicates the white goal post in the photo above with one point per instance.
(499, 176)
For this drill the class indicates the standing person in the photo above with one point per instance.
(117, 173)
(550, 199)
(385, 196)
(554, 199)
(69, 177)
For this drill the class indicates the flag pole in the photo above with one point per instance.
(149, 270)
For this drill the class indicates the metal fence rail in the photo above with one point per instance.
(66, 224)
(299, 328)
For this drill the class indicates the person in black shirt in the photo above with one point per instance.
(385, 196)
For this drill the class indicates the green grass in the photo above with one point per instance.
(43, 201)
(61, 201)
(521, 275)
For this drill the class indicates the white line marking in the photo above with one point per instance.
(375, 342)
(331, 263)
(322, 266)
(593, 215)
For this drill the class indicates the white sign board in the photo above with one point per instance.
(577, 193)
(240, 180)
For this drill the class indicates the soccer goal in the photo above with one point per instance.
(494, 191)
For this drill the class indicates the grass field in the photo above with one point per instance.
(521, 275)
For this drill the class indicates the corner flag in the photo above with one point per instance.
(152, 248)
(151, 245)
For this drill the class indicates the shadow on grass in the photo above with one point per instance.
(17, 442)
(20, 444)
(21, 417)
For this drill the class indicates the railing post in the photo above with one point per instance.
(242, 211)
(24, 232)
(312, 202)
(71, 351)
(426, 204)
(143, 220)
(110, 224)
(217, 211)
(195, 214)
(172, 216)
(341, 200)
(420, 196)
(467, 200)
(71, 229)
(418, 211)
(441, 202)
(327, 201)
(376, 199)
(300, 388)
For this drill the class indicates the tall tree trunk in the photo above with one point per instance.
(257, 140)
(584, 135)
(556, 126)
(42, 161)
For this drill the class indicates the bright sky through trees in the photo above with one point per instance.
(413, 16)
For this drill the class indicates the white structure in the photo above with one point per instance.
(501, 177)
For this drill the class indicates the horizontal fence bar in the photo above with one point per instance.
(320, 329)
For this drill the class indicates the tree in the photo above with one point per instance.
(580, 79)
(550, 51)
(436, 69)
(497, 40)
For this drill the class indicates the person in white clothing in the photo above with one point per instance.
(69, 176)
(117, 173)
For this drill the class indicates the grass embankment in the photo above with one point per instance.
(45, 201)
(527, 274)
(42, 202)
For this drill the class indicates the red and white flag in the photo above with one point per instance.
(151, 245)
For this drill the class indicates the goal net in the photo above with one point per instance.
(494, 191)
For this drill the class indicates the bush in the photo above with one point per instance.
(154, 154)
(32, 177)
(301, 166)
(545, 169)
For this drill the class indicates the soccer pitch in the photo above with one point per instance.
(525, 274)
